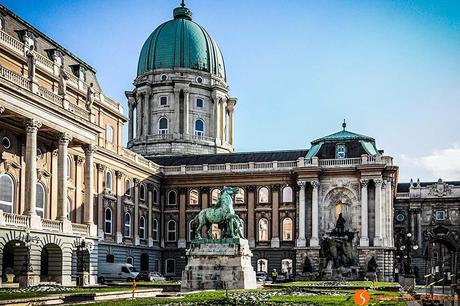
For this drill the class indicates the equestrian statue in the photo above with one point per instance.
(222, 214)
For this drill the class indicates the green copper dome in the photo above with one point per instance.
(181, 43)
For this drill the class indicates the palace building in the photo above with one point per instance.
(72, 196)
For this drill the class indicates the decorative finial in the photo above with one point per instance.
(344, 125)
(182, 3)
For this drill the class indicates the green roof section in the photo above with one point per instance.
(343, 135)
(181, 43)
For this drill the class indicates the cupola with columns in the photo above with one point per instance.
(180, 104)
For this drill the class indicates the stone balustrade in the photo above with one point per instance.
(46, 64)
(403, 195)
(56, 226)
(277, 165)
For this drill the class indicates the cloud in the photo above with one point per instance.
(444, 163)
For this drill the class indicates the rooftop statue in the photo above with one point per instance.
(222, 214)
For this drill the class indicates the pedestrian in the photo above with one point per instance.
(274, 275)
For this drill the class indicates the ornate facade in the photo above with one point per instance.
(71, 196)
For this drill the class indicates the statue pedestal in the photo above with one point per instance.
(219, 264)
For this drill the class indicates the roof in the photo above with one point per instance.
(243, 157)
(404, 187)
(181, 43)
(343, 135)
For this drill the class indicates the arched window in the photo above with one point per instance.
(287, 229)
(262, 265)
(199, 127)
(172, 198)
(128, 187)
(155, 196)
(239, 197)
(109, 133)
(69, 167)
(108, 180)
(6, 193)
(170, 266)
(263, 229)
(287, 194)
(142, 227)
(142, 192)
(127, 230)
(163, 126)
(263, 195)
(171, 230)
(155, 230)
(215, 196)
(216, 232)
(110, 258)
(190, 230)
(130, 260)
(193, 197)
(40, 200)
(69, 209)
(286, 265)
(108, 221)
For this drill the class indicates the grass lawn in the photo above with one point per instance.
(10, 294)
(364, 284)
(218, 298)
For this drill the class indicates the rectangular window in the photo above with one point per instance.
(199, 103)
(440, 215)
(163, 100)
(340, 151)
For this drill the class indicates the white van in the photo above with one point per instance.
(124, 272)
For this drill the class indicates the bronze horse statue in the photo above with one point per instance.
(222, 214)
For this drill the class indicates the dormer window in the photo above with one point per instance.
(79, 72)
(340, 151)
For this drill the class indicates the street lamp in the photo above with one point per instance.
(405, 247)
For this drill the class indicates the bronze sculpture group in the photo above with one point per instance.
(222, 214)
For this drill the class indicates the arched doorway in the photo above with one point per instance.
(440, 259)
(14, 259)
(144, 262)
(51, 263)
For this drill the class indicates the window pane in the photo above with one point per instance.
(199, 103)
(239, 197)
(6, 189)
(287, 194)
(214, 196)
(193, 197)
(172, 198)
(263, 229)
(287, 229)
(263, 195)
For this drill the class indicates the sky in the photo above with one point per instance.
(298, 68)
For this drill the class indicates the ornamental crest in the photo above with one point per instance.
(440, 189)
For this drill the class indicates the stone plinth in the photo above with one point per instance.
(219, 264)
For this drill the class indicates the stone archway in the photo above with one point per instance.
(339, 200)
(14, 259)
(441, 258)
(51, 263)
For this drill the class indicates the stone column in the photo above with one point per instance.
(186, 112)
(275, 241)
(251, 197)
(183, 226)
(119, 210)
(378, 212)
(223, 118)
(32, 127)
(364, 241)
(138, 116)
(174, 126)
(217, 118)
(314, 240)
(100, 200)
(145, 115)
(150, 217)
(419, 228)
(389, 213)
(131, 117)
(64, 140)
(231, 108)
(301, 240)
(89, 187)
(136, 213)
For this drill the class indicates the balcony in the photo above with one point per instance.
(16, 221)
